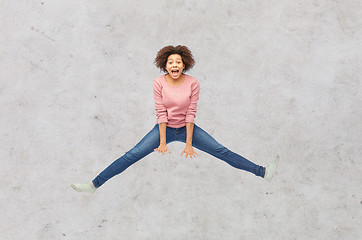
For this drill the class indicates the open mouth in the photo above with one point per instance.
(175, 72)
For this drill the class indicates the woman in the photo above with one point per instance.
(176, 95)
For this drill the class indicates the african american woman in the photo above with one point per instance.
(176, 95)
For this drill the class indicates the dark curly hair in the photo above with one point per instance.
(183, 51)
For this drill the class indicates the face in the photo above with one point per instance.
(175, 66)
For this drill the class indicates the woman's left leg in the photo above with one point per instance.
(203, 141)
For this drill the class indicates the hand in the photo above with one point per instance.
(189, 151)
(162, 148)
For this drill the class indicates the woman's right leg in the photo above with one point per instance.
(142, 149)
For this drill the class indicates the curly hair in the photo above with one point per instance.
(183, 51)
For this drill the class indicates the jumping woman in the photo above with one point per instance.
(176, 95)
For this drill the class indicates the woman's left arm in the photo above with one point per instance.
(190, 115)
(189, 150)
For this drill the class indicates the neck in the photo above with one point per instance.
(174, 80)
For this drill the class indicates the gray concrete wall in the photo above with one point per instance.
(277, 77)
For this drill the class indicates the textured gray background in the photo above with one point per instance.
(277, 77)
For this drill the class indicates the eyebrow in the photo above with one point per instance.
(176, 59)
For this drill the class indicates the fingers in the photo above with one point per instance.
(192, 155)
(162, 150)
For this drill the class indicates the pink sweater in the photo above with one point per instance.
(176, 105)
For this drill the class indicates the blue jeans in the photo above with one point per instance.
(200, 140)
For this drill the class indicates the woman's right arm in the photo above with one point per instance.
(162, 128)
(163, 147)
(162, 120)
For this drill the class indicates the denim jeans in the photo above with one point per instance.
(200, 140)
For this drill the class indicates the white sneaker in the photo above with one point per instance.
(270, 169)
(84, 187)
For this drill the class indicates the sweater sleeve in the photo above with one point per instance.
(191, 110)
(161, 110)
